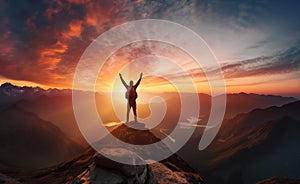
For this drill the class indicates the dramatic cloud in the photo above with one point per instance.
(42, 42)
(284, 62)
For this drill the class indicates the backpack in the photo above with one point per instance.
(131, 93)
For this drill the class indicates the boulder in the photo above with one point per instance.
(110, 171)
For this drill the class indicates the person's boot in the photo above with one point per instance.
(135, 119)
(127, 118)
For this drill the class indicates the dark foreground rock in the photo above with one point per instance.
(93, 168)
(104, 170)
(280, 180)
(7, 180)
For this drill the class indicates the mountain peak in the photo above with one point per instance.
(128, 133)
(134, 133)
(7, 84)
(10, 93)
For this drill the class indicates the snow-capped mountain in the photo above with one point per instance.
(10, 93)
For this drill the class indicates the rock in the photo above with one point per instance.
(109, 171)
(132, 136)
(191, 177)
(7, 180)
(105, 177)
(122, 154)
(280, 180)
(136, 125)
(165, 175)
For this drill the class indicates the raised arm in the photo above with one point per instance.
(138, 82)
(124, 83)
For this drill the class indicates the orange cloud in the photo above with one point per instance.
(75, 28)
(103, 13)
(51, 56)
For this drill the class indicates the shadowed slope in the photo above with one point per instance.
(29, 142)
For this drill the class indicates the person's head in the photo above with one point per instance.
(131, 83)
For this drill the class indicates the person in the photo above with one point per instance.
(131, 96)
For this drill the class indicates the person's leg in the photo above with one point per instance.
(134, 111)
(127, 115)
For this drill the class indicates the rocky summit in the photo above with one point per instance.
(91, 167)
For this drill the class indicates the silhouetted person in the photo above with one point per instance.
(131, 96)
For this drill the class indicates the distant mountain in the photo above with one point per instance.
(59, 111)
(243, 102)
(236, 103)
(242, 122)
(251, 147)
(29, 142)
(10, 93)
(56, 106)
(90, 167)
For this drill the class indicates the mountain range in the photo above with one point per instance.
(258, 139)
(56, 106)
(251, 147)
(10, 93)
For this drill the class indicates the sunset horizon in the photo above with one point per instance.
(45, 87)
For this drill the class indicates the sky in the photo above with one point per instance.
(257, 43)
